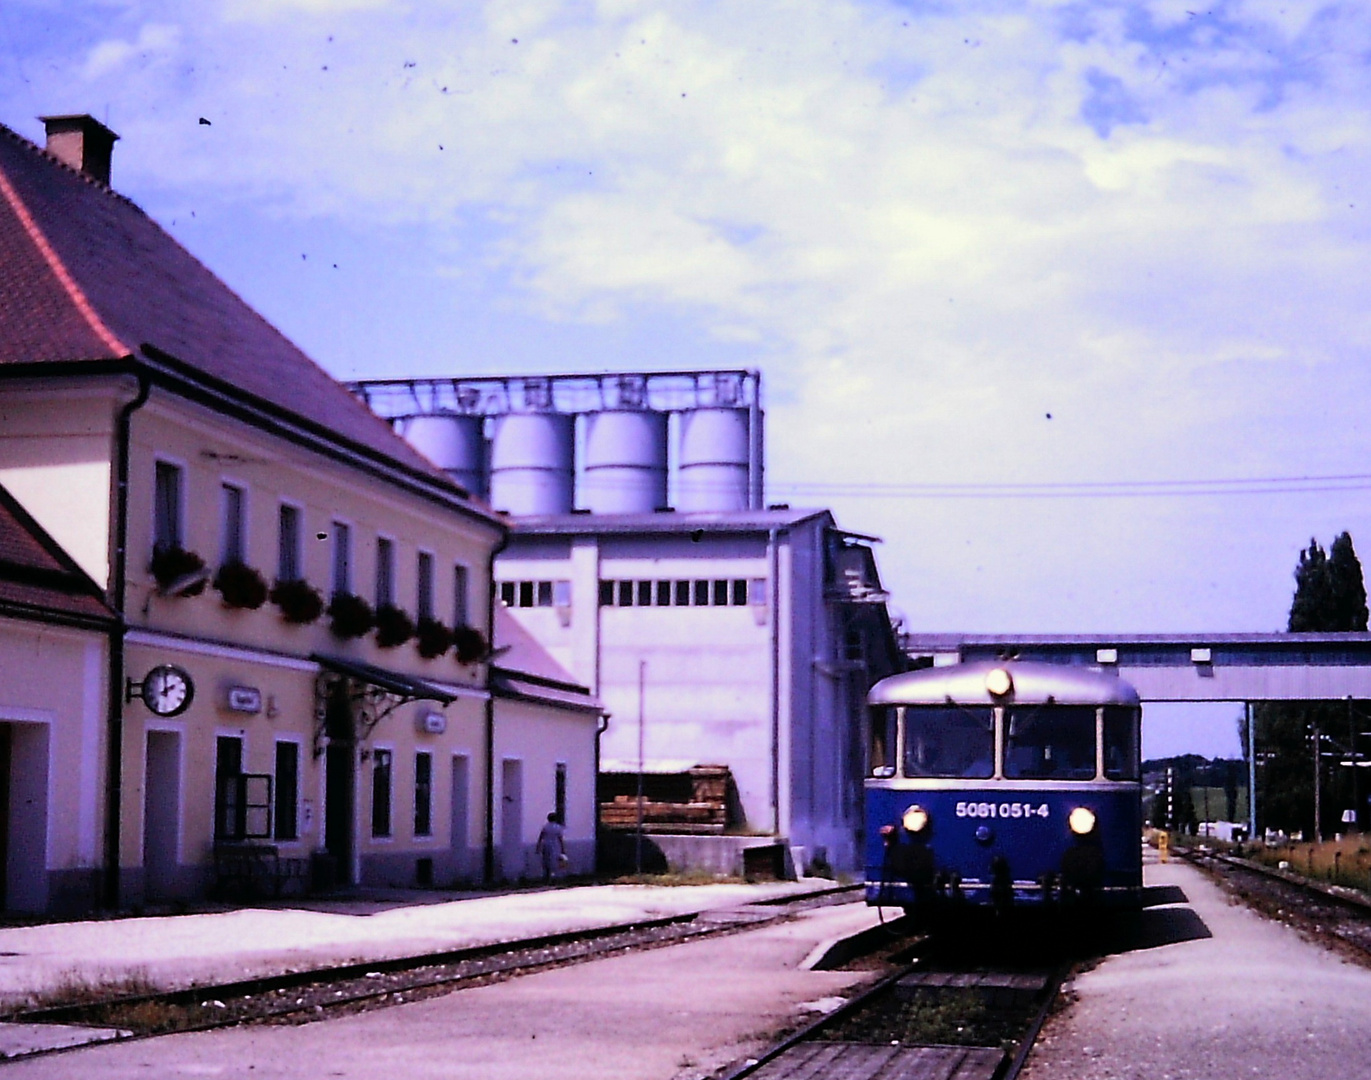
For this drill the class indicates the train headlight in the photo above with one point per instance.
(1081, 821)
(999, 682)
(915, 819)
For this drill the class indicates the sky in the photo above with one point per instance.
(1065, 301)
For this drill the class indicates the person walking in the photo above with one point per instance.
(552, 846)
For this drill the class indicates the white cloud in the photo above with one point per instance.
(937, 227)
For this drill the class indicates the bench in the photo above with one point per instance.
(246, 870)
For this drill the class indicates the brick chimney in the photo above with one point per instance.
(82, 142)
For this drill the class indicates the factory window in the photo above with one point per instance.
(423, 793)
(737, 592)
(385, 571)
(380, 792)
(559, 792)
(168, 489)
(288, 544)
(547, 593)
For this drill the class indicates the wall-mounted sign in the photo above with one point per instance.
(432, 722)
(244, 699)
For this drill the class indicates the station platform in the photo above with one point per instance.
(171, 951)
(1210, 991)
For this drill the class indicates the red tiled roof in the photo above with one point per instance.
(37, 577)
(86, 275)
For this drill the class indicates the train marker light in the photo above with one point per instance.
(915, 819)
(1081, 821)
(999, 682)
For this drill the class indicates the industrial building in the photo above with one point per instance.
(732, 642)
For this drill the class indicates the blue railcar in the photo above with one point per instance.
(1003, 783)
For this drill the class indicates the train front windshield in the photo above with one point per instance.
(950, 741)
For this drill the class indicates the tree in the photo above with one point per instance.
(1330, 597)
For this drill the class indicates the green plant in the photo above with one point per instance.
(241, 586)
(393, 626)
(349, 616)
(434, 638)
(171, 564)
(470, 643)
(299, 601)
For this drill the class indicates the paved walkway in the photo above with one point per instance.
(675, 1013)
(1253, 1001)
(178, 950)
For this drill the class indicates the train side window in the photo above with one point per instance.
(949, 741)
(1050, 742)
(882, 750)
(1120, 743)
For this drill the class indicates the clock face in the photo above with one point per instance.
(167, 690)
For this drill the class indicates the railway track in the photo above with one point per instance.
(1341, 917)
(937, 1016)
(305, 996)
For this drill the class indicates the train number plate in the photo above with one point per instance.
(1001, 809)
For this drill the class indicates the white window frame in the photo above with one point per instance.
(300, 528)
(383, 539)
(350, 561)
(182, 498)
(225, 484)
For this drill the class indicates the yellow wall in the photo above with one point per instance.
(56, 449)
(213, 451)
(57, 677)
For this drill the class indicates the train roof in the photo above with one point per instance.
(1034, 683)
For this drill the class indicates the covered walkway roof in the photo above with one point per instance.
(1184, 667)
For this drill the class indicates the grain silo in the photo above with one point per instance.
(454, 442)
(625, 461)
(531, 463)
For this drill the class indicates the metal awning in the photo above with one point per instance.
(407, 687)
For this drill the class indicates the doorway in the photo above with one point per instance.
(340, 783)
(512, 819)
(228, 809)
(24, 815)
(458, 837)
(162, 815)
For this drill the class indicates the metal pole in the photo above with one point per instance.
(1251, 771)
(1318, 792)
(1356, 784)
(638, 837)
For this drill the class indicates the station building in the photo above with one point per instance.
(294, 671)
(732, 642)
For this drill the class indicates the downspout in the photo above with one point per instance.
(773, 535)
(601, 726)
(488, 864)
(119, 587)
